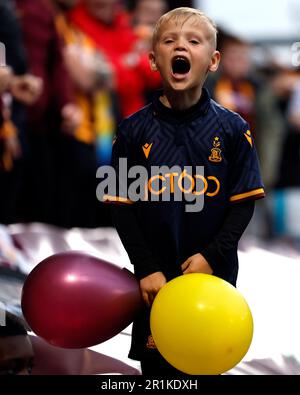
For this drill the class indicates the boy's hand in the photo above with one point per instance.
(196, 264)
(150, 286)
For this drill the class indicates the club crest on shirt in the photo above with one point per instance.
(215, 155)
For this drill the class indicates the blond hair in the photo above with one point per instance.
(182, 14)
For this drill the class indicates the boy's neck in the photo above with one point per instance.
(180, 100)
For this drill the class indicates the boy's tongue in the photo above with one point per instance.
(180, 67)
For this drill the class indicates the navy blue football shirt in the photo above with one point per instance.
(205, 136)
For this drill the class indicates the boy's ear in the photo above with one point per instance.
(152, 61)
(215, 60)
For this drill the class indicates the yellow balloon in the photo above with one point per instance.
(201, 324)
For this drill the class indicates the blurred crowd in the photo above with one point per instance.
(267, 95)
(75, 68)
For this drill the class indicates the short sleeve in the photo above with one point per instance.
(246, 182)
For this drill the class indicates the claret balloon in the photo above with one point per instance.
(76, 300)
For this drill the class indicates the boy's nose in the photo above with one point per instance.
(180, 45)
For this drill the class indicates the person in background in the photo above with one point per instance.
(90, 144)
(294, 107)
(288, 86)
(54, 113)
(21, 89)
(239, 88)
(21, 354)
(107, 24)
(144, 15)
(16, 352)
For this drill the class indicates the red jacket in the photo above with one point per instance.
(117, 41)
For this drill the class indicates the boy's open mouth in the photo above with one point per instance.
(180, 65)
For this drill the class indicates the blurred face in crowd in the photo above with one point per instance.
(103, 10)
(16, 355)
(236, 60)
(147, 12)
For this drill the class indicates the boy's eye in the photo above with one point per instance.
(168, 41)
(195, 42)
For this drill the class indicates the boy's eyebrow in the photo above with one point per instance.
(175, 33)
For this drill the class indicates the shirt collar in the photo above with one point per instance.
(175, 116)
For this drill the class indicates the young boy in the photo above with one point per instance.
(183, 129)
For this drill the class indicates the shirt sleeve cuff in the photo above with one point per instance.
(146, 268)
(116, 200)
(212, 256)
(254, 194)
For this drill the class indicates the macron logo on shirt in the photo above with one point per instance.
(248, 137)
(147, 148)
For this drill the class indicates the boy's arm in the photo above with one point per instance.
(129, 231)
(236, 222)
(146, 266)
(245, 186)
(213, 258)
